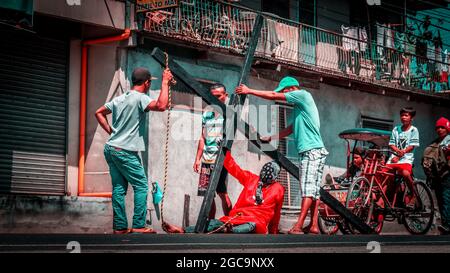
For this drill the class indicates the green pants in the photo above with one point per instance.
(126, 167)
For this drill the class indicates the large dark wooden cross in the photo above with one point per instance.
(251, 135)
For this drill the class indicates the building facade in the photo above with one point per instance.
(78, 55)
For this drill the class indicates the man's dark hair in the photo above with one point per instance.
(409, 110)
(217, 85)
(140, 75)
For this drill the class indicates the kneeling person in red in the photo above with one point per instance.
(261, 199)
(259, 204)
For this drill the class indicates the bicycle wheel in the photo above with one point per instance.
(360, 202)
(327, 226)
(420, 220)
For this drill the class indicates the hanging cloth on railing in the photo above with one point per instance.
(288, 37)
(362, 36)
(351, 42)
(357, 40)
(269, 41)
(380, 39)
(399, 41)
(445, 61)
(385, 38)
(389, 35)
(280, 41)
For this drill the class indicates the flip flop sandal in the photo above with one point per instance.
(121, 231)
(143, 230)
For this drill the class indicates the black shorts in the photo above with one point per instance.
(203, 182)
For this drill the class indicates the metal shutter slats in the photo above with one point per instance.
(33, 103)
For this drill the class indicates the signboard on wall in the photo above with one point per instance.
(144, 5)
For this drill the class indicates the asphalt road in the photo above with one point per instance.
(221, 243)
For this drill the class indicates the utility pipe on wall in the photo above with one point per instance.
(83, 96)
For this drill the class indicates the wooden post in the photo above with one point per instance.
(187, 200)
(230, 131)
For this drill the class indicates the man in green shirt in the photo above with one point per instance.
(305, 125)
(129, 118)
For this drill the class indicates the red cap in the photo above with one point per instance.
(443, 122)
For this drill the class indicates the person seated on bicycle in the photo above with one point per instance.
(404, 139)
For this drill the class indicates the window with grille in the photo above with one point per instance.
(287, 147)
(376, 123)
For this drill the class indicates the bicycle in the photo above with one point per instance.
(379, 194)
(331, 222)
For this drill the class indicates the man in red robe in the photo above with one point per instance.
(258, 208)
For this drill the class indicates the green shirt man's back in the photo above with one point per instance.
(305, 121)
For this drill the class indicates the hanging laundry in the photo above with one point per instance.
(350, 43)
(381, 32)
(269, 42)
(399, 41)
(280, 41)
(389, 35)
(288, 38)
(362, 36)
(444, 67)
(445, 61)
(357, 38)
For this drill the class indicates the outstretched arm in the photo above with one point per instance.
(233, 168)
(200, 147)
(100, 115)
(162, 103)
(268, 95)
(282, 134)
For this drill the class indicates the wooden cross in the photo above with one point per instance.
(230, 131)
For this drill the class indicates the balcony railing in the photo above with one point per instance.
(223, 25)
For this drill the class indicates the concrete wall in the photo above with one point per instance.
(86, 11)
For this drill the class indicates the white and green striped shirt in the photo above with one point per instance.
(213, 125)
(402, 139)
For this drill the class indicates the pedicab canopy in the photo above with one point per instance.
(377, 137)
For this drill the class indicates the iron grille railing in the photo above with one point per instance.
(224, 25)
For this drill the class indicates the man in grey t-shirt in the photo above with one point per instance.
(129, 115)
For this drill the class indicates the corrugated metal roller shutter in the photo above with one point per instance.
(32, 114)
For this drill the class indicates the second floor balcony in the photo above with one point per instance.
(215, 24)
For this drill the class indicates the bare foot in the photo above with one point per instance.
(314, 230)
(171, 228)
(296, 230)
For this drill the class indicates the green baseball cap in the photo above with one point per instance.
(286, 82)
